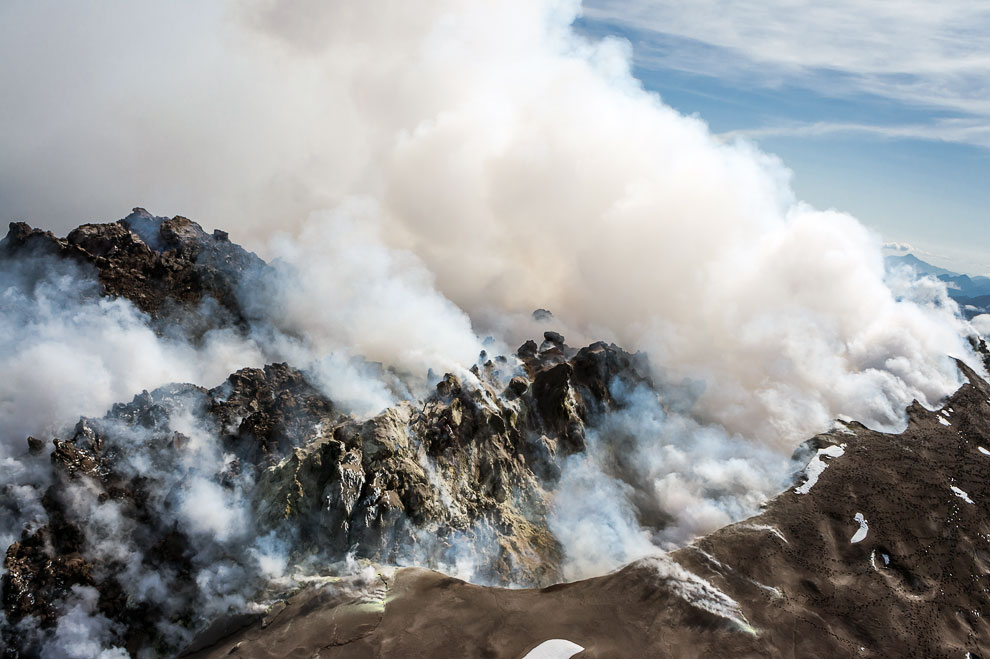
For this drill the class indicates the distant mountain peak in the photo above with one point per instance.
(921, 267)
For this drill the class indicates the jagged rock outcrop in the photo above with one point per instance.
(467, 470)
(165, 266)
(880, 549)
(467, 460)
(468, 467)
(132, 464)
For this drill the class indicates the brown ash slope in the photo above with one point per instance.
(789, 582)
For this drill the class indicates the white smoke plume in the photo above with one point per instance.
(343, 291)
(654, 478)
(981, 324)
(522, 164)
(82, 633)
(66, 352)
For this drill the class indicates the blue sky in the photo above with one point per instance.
(880, 109)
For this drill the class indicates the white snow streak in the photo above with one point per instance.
(959, 493)
(817, 466)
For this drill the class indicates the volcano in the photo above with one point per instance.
(258, 517)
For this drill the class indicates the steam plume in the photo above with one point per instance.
(428, 172)
(520, 162)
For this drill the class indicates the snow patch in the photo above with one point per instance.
(555, 648)
(944, 422)
(711, 559)
(766, 527)
(959, 493)
(840, 426)
(984, 451)
(696, 591)
(864, 528)
(774, 592)
(817, 466)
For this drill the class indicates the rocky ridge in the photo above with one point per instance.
(469, 466)
(165, 266)
(882, 552)
(473, 465)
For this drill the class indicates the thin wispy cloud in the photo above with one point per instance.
(956, 130)
(919, 53)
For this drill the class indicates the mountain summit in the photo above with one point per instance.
(263, 517)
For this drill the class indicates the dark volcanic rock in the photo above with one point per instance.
(166, 267)
(124, 464)
(559, 409)
(528, 350)
(553, 338)
(466, 467)
(40, 571)
(416, 483)
(266, 412)
(570, 387)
